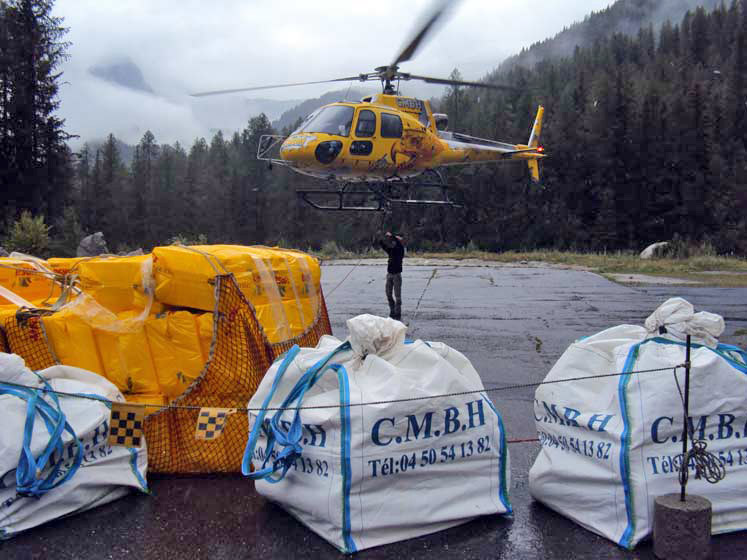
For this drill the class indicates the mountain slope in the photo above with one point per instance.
(123, 72)
(624, 16)
(289, 117)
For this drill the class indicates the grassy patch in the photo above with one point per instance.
(607, 262)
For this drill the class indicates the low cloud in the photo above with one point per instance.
(183, 46)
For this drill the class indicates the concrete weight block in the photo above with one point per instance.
(682, 530)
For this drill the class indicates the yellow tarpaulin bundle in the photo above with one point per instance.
(147, 324)
(177, 350)
(29, 279)
(164, 356)
(282, 285)
(128, 324)
(127, 359)
(117, 283)
(73, 341)
(64, 265)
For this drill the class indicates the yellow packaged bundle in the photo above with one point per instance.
(184, 275)
(127, 359)
(176, 348)
(282, 285)
(117, 283)
(29, 279)
(205, 332)
(73, 341)
(64, 265)
(298, 282)
(163, 355)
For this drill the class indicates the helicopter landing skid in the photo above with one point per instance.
(378, 197)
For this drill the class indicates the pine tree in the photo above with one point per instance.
(36, 173)
(142, 190)
(113, 218)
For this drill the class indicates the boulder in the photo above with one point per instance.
(92, 245)
(654, 250)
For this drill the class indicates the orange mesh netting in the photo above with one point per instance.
(240, 354)
(24, 335)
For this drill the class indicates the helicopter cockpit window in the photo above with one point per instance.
(391, 126)
(304, 122)
(337, 120)
(366, 126)
(423, 116)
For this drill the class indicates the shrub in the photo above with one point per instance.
(189, 239)
(29, 235)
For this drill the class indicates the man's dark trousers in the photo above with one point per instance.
(394, 284)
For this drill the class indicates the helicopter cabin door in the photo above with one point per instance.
(374, 135)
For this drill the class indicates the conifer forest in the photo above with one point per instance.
(646, 136)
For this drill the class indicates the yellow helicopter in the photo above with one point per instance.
(386, 142)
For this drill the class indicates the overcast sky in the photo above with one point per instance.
(184, 46)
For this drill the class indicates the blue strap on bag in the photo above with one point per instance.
(29, 480)
(286, 438)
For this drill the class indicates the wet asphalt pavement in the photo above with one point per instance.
(511, 322)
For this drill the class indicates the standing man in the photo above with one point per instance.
(394, 247)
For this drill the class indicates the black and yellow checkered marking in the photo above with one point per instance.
(126, 425)
(211, 421)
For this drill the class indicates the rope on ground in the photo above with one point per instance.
(350, 405)
(340, 283)
(417, 307)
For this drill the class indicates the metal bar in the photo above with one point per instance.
(378, 205)
(686, 416)
(425, 202)
(340, 204)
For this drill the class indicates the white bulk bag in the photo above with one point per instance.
(608, 444)
(363, 475)
(54, 456)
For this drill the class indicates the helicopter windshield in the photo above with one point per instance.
(337, 119)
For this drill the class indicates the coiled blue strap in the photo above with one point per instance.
(29, 479)
(288, 438)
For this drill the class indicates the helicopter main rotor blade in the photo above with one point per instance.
(361, 77)
(447, 82)
(407, 53)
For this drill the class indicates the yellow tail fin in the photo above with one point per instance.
(534, 139)
(534, 170)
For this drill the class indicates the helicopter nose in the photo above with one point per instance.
(298, 148)
(307, 149)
